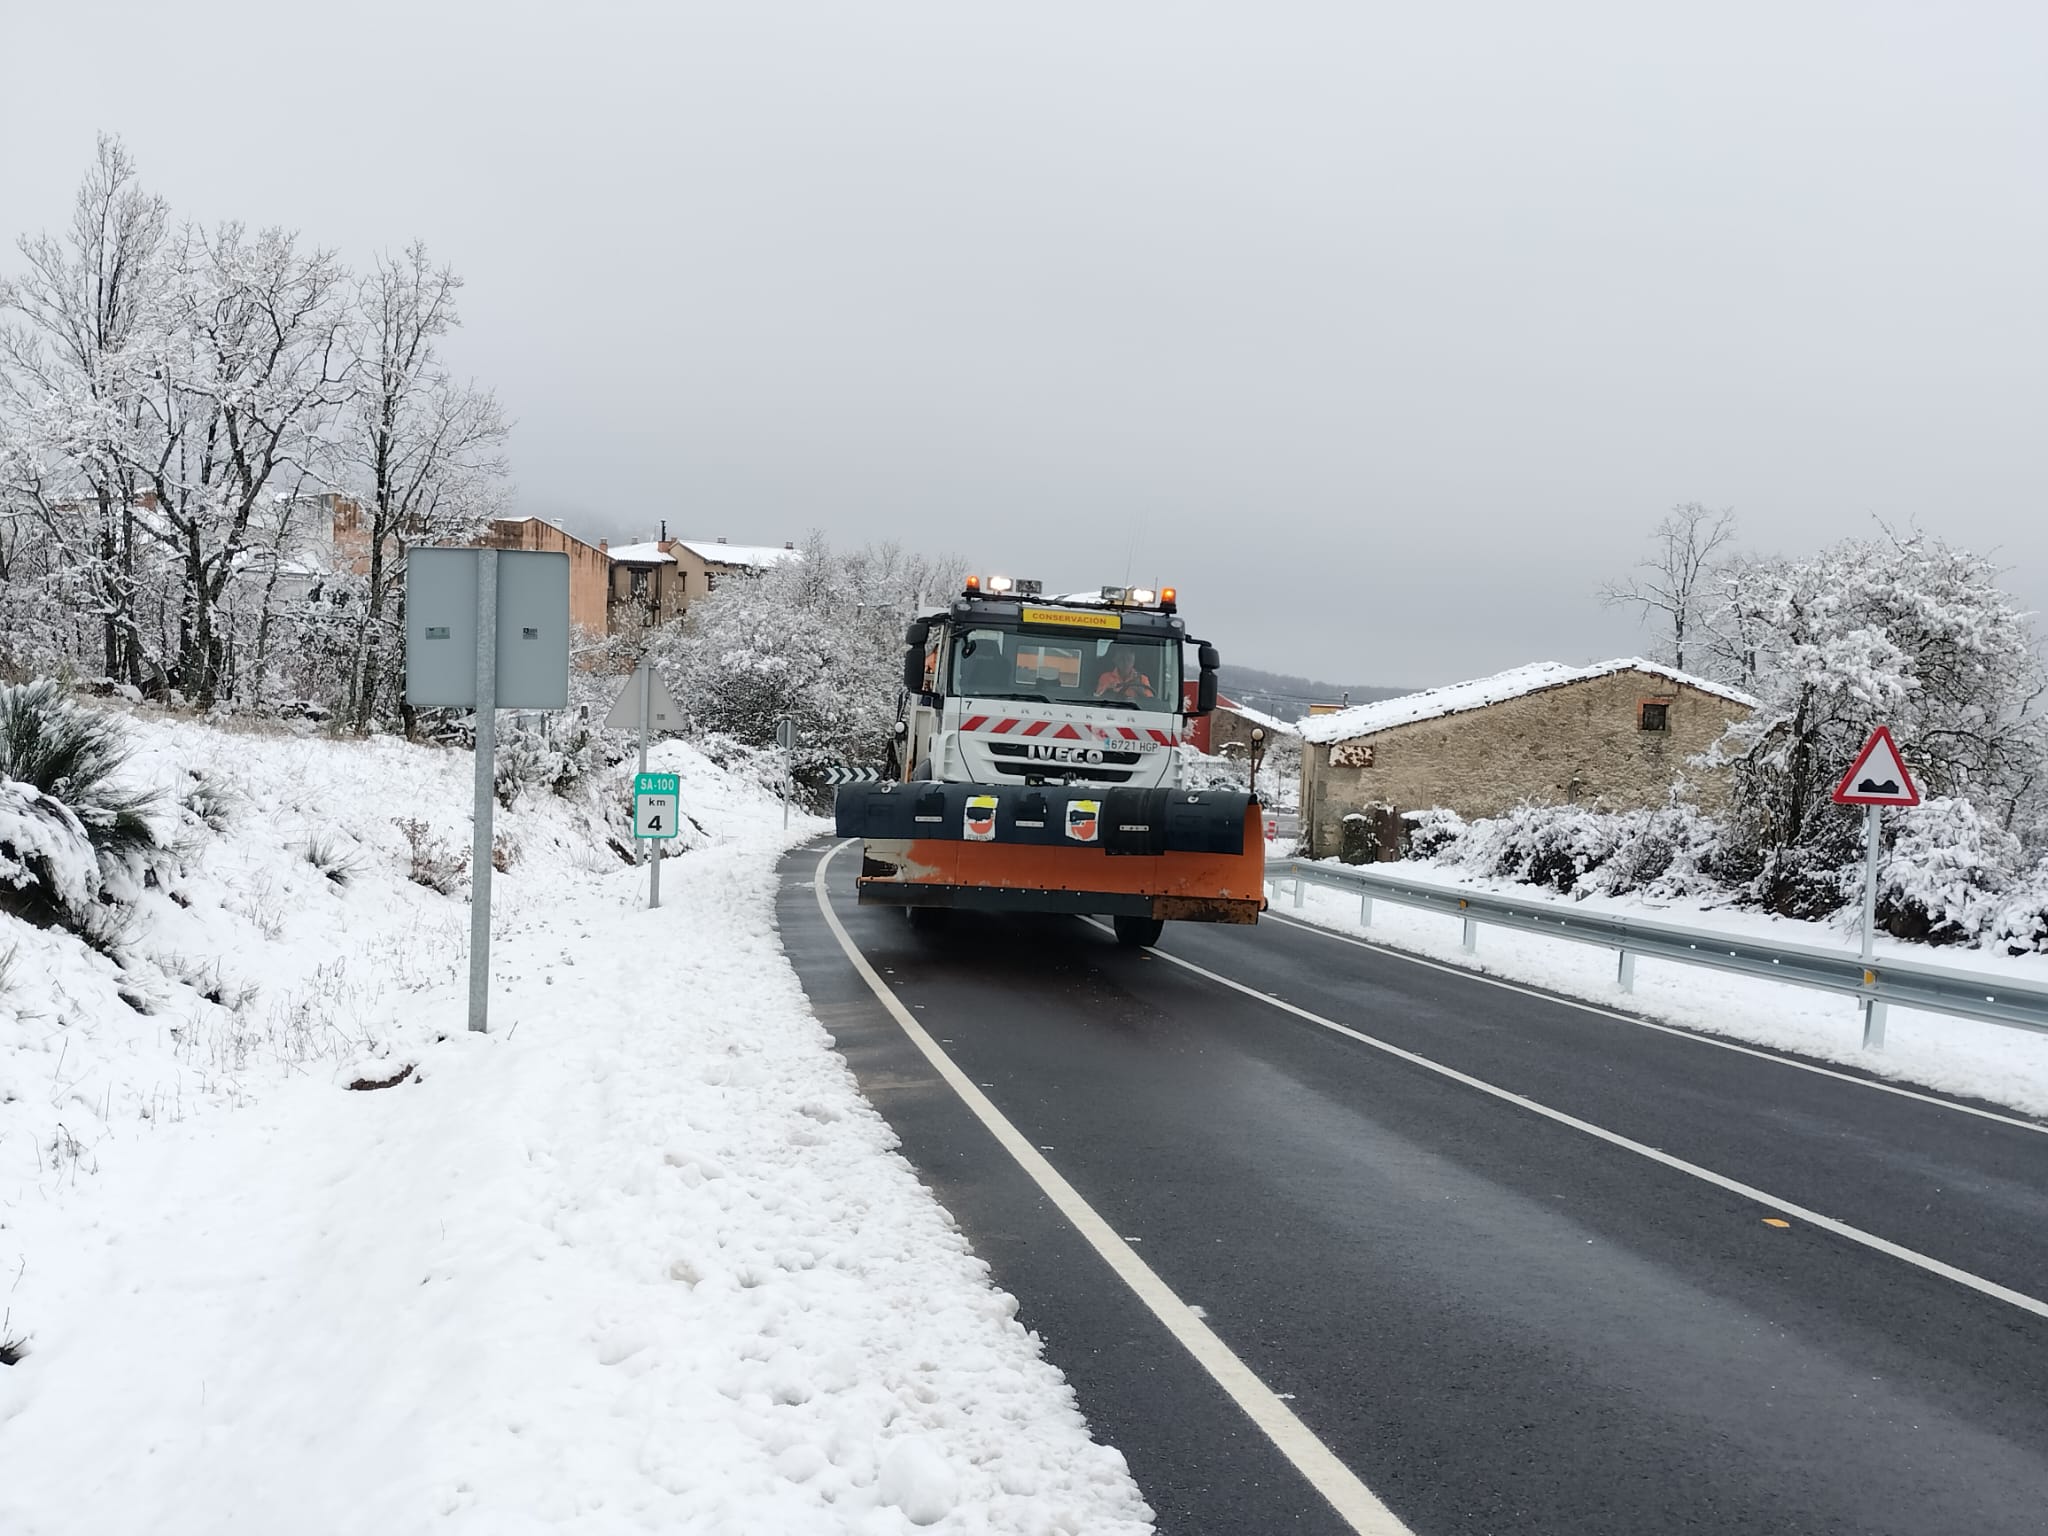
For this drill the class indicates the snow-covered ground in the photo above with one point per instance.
(642, 1258)
(1986, 1061)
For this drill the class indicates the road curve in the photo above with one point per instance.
(1495, 1320)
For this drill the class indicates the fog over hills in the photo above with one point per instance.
(1287, 697)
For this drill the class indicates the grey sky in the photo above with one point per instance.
(1384, 332)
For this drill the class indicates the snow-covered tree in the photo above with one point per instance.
(245, 375)
(1904, 630)
(421, 450)
(818, 638)
(70, 405)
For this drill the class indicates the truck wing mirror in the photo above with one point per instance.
(1209, 658)
(1205, 692)
(914, 639)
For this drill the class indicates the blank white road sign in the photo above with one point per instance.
(440, 629)
(625, 715)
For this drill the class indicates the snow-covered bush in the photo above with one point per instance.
(48, 870)
(2019, 919)
(553, 756)
(67, 832)
(72, 754)
(1435, 834)
(1945, 876)
(1667, 852)
(1549, 845)
(432, 863)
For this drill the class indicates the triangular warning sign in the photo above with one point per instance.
(662, 712)
(1878, 776)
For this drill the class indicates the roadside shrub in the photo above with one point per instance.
(212, 801)
(1667, 852)
(1435, 834)
(71, 754)
(550, 757)
(2019, 920)
(335, 859)
(433, 863)
(69, 839)
(1945, 877)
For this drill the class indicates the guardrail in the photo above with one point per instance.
(1908, 983)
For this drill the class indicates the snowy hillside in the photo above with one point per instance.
(639, 1259)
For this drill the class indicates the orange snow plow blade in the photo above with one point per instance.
(1188, 857)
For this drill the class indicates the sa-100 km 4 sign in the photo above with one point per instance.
(655, 809)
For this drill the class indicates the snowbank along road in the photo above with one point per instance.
(1328, 1239)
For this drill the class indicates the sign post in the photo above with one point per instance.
(1876, 779)
(485, 629)
(785, 738)
(657, 809)
(645, 704)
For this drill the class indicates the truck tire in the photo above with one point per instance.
(1138, 932)
(926, 919)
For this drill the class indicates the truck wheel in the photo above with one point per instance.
(1138, 932)
(925, 919)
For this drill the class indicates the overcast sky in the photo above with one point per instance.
(1384, 332)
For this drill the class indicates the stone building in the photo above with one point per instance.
(1614, 736)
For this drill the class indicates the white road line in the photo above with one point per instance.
(1356, 1503)
(1883, 1245)
(1395, 952)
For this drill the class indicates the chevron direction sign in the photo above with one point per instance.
(839, 773)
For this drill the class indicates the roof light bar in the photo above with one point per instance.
(1000, 583)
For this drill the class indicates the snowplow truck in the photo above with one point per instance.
(1034, 768)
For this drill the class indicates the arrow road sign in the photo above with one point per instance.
(1878, 776)
(655, 807)
(839, 773)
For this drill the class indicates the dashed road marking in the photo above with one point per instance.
(1884, 1245)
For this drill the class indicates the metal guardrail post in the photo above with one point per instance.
(1471, 941)
(1299, 886)
(1365, 909)
(1873, 1021)
(1625, 971)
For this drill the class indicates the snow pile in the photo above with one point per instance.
(639, 1259)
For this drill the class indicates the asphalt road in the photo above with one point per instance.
(1498, 1321)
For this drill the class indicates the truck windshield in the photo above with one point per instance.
(1101, 671)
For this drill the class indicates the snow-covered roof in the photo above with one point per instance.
(1456, 698)
(759, 556)
(1260, 717)
(642, 554)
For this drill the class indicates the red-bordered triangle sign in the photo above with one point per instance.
(1878, 776)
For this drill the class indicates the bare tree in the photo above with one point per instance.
(243, 380)
(84, 303)
(1671, 587)
(423, 450)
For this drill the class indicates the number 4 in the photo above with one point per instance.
(654, 822)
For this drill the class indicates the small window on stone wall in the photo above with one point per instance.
(1653, 715)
